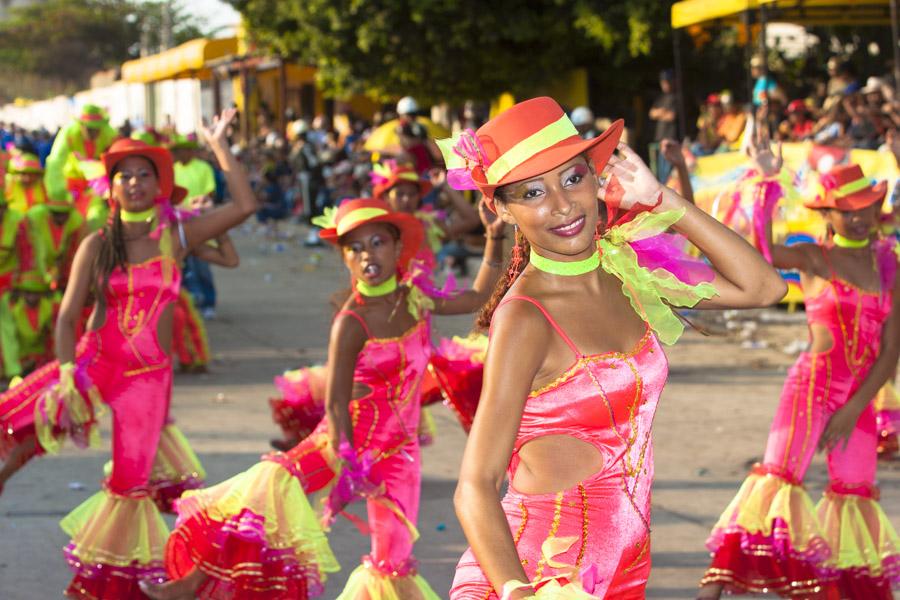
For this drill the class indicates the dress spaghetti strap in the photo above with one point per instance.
(546, 314)
(358, 318)
(828, 262)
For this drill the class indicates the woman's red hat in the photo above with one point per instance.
(847, 188)
(525, 141)
(160, 157)
(387, 175)
(357, 212)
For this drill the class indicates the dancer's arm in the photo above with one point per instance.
(488, 273)
(465, 217)
(223, 254)
(77, 292)
(345, 343)
(507, 382)
(743, 279)
(243, 202)
(843, 422)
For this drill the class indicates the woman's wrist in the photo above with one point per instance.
(668, 199)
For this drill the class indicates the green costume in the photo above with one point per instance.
(26, 332)
(72, 148)
(53, 246)
(12, 246)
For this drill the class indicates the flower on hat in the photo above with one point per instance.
(463, 153)
(327, 219)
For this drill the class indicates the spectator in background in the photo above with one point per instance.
(664, 114)
(673, 153)
(799, 126)
(709, 124)
(583, 119)
(272, 201)
(733, 121)
(841, 78)
(765, 88)
(198, 178)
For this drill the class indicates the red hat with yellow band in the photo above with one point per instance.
(525, 141)
(160, 157)
(357, 212)
(388, 174)
(847, 188)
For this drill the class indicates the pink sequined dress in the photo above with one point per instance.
(607, 400)
(771, 537)
(118, 535)
(257, 535)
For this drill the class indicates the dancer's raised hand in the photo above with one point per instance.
(217, 133)
(627, 181)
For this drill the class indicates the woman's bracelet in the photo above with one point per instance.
(494, 264)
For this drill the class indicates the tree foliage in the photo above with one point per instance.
(452, 50)
(66, 41)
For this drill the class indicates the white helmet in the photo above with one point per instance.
(407, 106)
(582, 116)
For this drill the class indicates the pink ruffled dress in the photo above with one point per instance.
(607, 400)
(257, 535)
(771, 537)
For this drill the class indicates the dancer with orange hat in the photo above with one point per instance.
(771, 538)
(574, 366)
(131, 268)
(255, 535)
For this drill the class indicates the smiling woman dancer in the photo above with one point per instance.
(574, 366)
(131, 268)
(771, 538)
(255, 535)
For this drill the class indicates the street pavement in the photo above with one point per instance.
(273, 315)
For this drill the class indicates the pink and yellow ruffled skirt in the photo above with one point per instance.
(772, 539)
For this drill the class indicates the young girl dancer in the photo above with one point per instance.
(574, 367)
(254, 536)
(131, 267)
(771, 538)
(455, 367)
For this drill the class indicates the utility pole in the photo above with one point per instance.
(165, 30)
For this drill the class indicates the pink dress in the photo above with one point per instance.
(771, 537)
(118, 534)
(607, 400)
(256, 535)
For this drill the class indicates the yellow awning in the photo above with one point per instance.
(801, 12)
(181, 61)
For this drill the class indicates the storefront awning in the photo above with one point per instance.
(801, 12)
(185, 60)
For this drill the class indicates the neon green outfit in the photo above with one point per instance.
(13, 245)
(26, 332)
(20, 196)
(196, 177)
(73, 158)
(53, 246)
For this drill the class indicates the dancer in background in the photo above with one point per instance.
(131, 268)
(771, 538)
(15, 249)
(574, 366)
(366, 447)
(24, 181)
(55, 229)
(27, 314)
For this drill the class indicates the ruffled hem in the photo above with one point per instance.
(302, 403)
(189, 336)
(864, 545)
(771, 517)
(117, 541)
(176, 468)
(255, 535)
(375, 582)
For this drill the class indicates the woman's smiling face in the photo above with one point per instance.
(557, 211)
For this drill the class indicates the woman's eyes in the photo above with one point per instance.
(532, 193)
(573, 179)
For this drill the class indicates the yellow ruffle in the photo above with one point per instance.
(762, 499)
(268, 490)
(858, 532)
(175, 459)
(365, 582)
(116, 530)
(887, 398)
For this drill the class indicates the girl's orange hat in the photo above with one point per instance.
(846, 188)
(525, 141)
(160, 157)
(357, 212)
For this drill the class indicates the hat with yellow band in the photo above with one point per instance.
(357, 212)
(389, 174)
(525, 141)
(92, 116)
(847, 188)
(24, 162)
